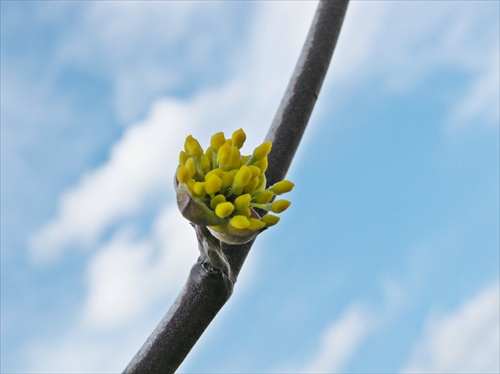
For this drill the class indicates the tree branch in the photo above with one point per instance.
(212, 278)
(303, 90)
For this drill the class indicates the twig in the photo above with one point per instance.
(212, 278)
(303, 89)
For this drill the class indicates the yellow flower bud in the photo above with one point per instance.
(192, 146)
(205, 164)
(242, 201)
(208, 179)
(183, 157)
(255, 224)
(243, 176)
(212, 157)
(250, 187)
(199, 188)
(227, 179)
(217, 172)
(213, 184)
(239, 138)
(239, 222)
(242, 204)
(279, 206)
(262, 164)
(234, 162)
(190, 166)
(262, 151)
(270, 220)
(217, 141)
(224, 155)
(224, 210)
(216, 200)
(264, 197)
(183, 174)
(191, 184)
(282, 187)
(255, 170)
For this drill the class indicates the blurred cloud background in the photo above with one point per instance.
(388, 258)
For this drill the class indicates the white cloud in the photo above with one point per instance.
(138, 46)
(402, 51)
(480, 104)
(340, 341)
(466, 340)
(80, 350)
(358, 45)
(127, 276)
(142, 162)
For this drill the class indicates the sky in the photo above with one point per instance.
(387, 259)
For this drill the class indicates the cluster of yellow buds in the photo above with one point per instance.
(219, 188)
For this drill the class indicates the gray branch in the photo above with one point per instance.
(212, 278)
(303, 89)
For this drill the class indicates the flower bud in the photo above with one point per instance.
(238, 138)
(279, 206)
(191, 166)
(243, 176)
(212, 184)
(255, 224)
(242, 204)
(223, 190)
(224, 209)
(192, 146)
(250, 187)
(205, 164)
(264, 197)
(240, 222)
(216, 200)
(217, 141)
(217, 172)
(234, 162)
(262, 151)
(183, 157)
(227, 179)
(199, 188)
(183, 174)
(212, 157)
(255, 170)
(224, 155)
(282, 187)
(262, 164)
(270, 220)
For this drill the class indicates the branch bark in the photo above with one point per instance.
(303, 89)
(212, 278)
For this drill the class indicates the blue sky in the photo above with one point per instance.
(388, 258)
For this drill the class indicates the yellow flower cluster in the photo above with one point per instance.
(227, 187)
